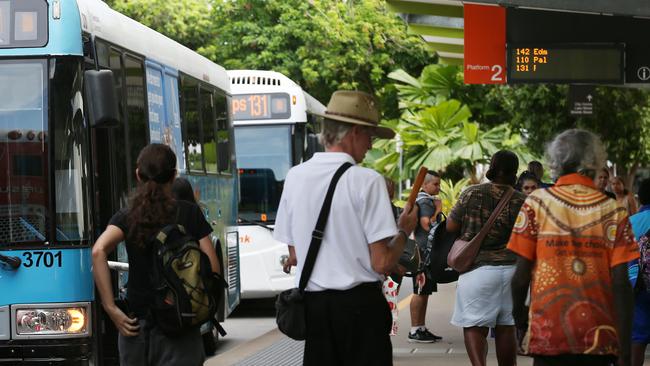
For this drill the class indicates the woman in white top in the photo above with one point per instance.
(623, 196)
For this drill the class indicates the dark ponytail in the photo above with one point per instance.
(151, 205)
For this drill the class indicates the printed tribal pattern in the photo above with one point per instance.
(574, 234)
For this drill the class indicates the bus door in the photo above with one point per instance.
(115, 152)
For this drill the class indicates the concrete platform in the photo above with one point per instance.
(275, 349)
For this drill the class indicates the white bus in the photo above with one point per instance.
(273, 131)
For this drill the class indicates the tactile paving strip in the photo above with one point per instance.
(286, 352)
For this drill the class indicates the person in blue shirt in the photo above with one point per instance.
(641, 325)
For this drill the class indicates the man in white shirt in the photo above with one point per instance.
(348, 319)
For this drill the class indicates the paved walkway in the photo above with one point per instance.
(273, 348)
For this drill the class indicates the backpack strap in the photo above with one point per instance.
(317, 234)
(220, 329)
(163, 234)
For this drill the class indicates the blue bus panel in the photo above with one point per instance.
(47, 276)
(64, 34)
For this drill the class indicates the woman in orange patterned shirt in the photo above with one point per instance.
(573, 245)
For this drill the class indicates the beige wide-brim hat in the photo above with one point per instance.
(358, 108)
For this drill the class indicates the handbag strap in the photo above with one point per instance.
(493, 217)
(317, 234)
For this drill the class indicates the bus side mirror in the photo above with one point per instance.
(313, 146)
(101, 99)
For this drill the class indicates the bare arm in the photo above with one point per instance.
(452, 226)
(385, 253)
(520, 284)
(624, 307)
(206, 247)
(632, 201)
(425, 222)
(104, 246)
(438, 204)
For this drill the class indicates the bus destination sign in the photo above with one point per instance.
(581, 63)
(260, 106)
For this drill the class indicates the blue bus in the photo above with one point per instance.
(83, 89)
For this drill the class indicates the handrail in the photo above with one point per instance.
(118, 266)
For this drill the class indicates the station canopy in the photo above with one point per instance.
(441, 23)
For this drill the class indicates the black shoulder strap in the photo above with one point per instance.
(317, 234)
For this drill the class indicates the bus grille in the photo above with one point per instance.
(21, 228)
(233, 268)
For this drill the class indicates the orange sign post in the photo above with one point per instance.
(485, 44)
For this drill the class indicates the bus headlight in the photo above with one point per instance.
(51, 320)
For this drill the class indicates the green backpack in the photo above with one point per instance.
(186, 291)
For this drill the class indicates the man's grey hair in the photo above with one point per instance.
(576, 151)
(333, 132)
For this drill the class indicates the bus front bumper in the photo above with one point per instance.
(46, 352)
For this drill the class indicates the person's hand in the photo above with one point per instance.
(521, 333)
(291, 261)
(408, 219)
(128, 327)
(420, 279)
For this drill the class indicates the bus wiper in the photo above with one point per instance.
(12, 262)
(255, 223)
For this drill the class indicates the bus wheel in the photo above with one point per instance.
(210, 340)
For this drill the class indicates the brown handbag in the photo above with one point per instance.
(463, 253)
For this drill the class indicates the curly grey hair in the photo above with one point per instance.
(333, 132)
(576, 151)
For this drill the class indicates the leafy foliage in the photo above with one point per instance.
(323, 45)
(436, 130)
(449, 193)
(188, 22)
(621, 117)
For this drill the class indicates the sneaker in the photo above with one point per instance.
(422, 336)
(437, 338)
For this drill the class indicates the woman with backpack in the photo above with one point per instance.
(151, 207)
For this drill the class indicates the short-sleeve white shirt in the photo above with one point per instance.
(361, 214)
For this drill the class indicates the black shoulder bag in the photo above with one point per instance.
(290, 305)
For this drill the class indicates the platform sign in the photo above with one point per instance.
(485, 44)
(581, 99)
(565, 63)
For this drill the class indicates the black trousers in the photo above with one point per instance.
(348, 327)
(574, 360)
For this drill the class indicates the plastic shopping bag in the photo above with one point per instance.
(391, 290)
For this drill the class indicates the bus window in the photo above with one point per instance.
(223, 133)
(262, 168)
(209, 136)
(118, 135)
(135, 110)
(102, 50)
(192, 124)
(70, 158)
(24, 194)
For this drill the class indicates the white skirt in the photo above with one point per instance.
(484, 297)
